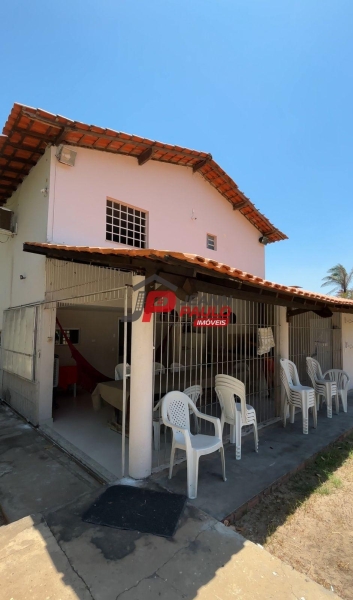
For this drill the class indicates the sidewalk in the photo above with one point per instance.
(55, 555)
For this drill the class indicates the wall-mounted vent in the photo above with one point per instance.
(6, 220)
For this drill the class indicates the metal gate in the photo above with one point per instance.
(187, 355)
(311, 335)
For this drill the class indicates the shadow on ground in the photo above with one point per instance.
(55, 554)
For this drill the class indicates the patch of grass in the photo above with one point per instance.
(318, 477)
(333, 483)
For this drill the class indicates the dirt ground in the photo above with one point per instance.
(308, 522)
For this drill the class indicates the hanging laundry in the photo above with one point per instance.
(265, 340)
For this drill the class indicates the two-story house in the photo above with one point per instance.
(87, 215)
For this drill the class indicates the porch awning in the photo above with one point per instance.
(192, 273)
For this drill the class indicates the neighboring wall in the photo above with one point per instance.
(98, 341)
(347, 346)
(33, 399)
(167, 192)
(30, 206)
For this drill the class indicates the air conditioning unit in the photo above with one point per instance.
(7, 220)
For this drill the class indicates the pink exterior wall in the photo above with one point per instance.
(169, 194)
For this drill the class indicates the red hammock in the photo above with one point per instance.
(87, 376)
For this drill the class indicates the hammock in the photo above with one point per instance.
(87, 376)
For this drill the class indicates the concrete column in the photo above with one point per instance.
(140, 430)
(283, 353)
(283, 333)
(45, 362)
(347, 346)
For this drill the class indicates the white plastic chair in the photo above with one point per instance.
(323, 387)
(176, 367)
(159, 368)
(237, 414)
(119, 371)
(341, 378)
(176, 415)
(193, 392)
(296, 394)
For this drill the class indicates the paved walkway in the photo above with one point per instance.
(55, 555)
(281, 451)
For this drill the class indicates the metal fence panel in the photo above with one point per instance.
(195, 355)
(311, 335)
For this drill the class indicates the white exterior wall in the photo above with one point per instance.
(30, 206)
(169, 194)
(31, 214)
(347, 346)
(73, 212)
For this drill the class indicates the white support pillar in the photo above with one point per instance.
(45, 362)
(140, 430)
(283, 333)
(283, 347)
(347, 346)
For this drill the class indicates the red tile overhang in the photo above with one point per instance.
(28, 131)
(206, 274)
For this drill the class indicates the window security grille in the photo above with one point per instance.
(126, 225)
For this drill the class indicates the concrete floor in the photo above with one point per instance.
(56, 555)
(87, 430)
(35, 475)
(86, 434)
(281, 451)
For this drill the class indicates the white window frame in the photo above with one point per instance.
(116, 222)
(210, 237)
(18, 341)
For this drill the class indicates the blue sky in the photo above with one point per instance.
(265, 86)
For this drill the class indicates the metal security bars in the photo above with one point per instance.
(126, 225)
(311, 335)
(186, 355)
(72, 283)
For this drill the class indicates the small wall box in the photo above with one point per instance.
(7, 221)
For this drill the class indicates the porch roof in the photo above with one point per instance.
(28, 131)
(192, 273)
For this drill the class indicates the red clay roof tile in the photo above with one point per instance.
(47, 127)
(200, 261)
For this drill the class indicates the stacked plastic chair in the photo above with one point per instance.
(323, 387)
(341, 379)
(237, 414)
(296, 395)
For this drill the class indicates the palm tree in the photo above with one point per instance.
(340, 281)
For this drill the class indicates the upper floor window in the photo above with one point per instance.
(126, 225)
(211, 242)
